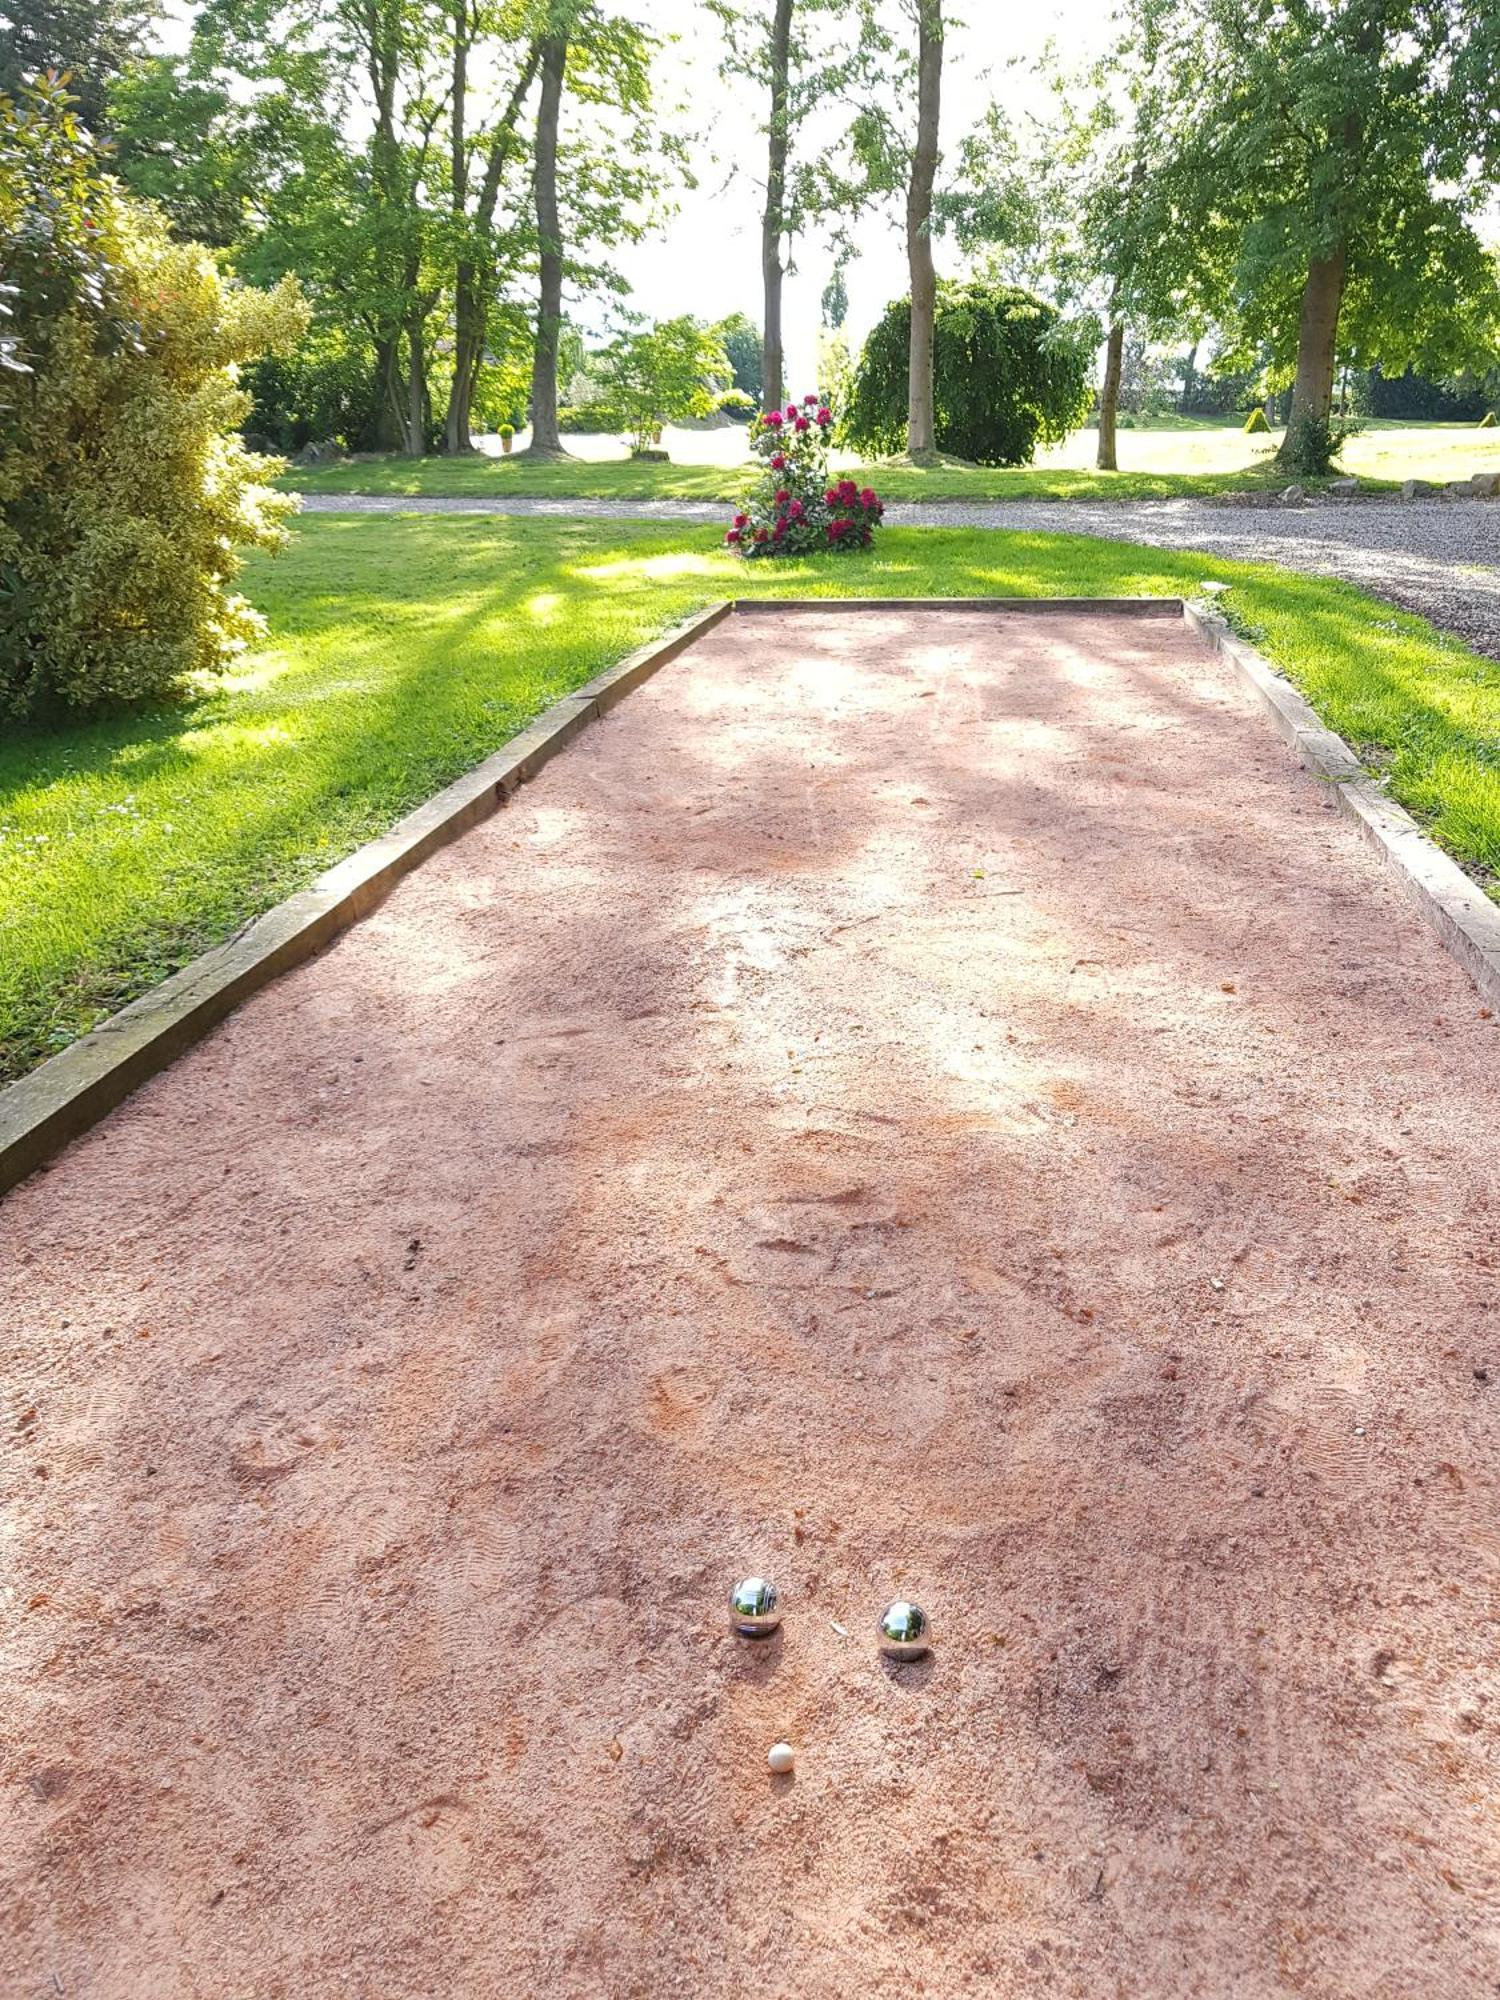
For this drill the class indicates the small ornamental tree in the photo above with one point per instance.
(662, 372)
(126, 494)
(793, 509)
(1008, 375)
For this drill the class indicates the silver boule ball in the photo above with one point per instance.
(754, 1609)
(904, 1631)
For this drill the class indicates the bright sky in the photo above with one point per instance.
(710, 264)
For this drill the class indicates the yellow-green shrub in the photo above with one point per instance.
(1487, 421)
(126, 497)
(1256, 421)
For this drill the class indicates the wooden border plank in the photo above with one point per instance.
(75, 1089)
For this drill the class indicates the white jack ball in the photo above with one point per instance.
(781, 1757)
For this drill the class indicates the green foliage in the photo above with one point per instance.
(1488, 421)
(834, 306)
(590, 420)
(742, 343)
(88, 41)
(182, 142)
(324, 390)
(835, 367)
(735, 403)
(1311, 444)
(383, 152)
(125, 496)
(662, 372)
(1007, 376)
(1345, 137)
(838, 53)
(1412, 398)
(1255, 423)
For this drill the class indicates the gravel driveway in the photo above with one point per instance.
(1439, 558)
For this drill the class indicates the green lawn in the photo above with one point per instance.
(406, 649)
(1175, 459)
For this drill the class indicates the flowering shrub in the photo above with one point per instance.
(793, 509)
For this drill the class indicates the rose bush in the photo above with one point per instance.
(793, 509)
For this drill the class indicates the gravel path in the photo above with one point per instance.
(1439, 558)
(925, 1105)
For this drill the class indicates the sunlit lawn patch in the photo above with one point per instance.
(405, 649)
(1164, 461)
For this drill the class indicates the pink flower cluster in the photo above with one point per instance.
(794, 510)
(854, 513)
(797, 417)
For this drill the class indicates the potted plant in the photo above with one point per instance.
(507, 437)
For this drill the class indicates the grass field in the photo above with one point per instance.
(1173, 460)
(407, 649)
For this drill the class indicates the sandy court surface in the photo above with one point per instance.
(923, 1103)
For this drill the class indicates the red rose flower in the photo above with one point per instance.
(825, 416)
(773, 420)
(782, 497)
(803, 424)
(810, 399)
(796, 510)
(778, 462)
(831, 496)
(867, 498)
(742, 520)
(760, 534)
(733, 536)
(791, 411)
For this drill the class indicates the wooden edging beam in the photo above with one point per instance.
(1068, 607)
(1456, 908)
(74, 1089)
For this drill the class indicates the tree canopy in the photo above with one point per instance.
(1006, 376)
(1321, 166)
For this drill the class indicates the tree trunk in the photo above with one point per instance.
(1317, 339)
(456, 420)
(1109, 397)
(474, 282)
(467, 340)
(773, 223)
(921, 429)
(389, 430)
(1190, 378)
(416, 389)
(546, 441)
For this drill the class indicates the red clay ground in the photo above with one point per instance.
(925, 1103)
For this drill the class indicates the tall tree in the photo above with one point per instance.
(807, 56)
(773, 218)
(921, 443)
(545, 440)
(1326, 161)
(895, 159)
(479, 163)
(597, 175)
